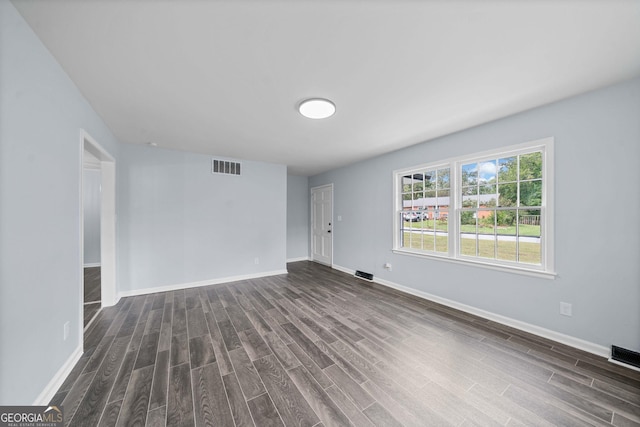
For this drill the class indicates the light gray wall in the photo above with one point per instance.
(597, 157)
(178, 223)
(91, 201)
(297, 217)
(41, 112)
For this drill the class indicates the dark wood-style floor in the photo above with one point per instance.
(317, 347)
(92, 293)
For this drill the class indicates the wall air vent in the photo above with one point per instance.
(628, 357)
(225, 167)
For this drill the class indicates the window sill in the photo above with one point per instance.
(487, 265)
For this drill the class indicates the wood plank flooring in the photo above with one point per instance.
(92, 293)
(317, 347)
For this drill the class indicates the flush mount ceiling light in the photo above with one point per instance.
(317, 108)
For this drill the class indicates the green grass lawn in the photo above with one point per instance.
(426, 242)
(529, 252)
(428, 224)
(525, 230)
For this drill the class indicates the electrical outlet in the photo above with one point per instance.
(387, 266)
(339, 217)
(65, 330)
(257, 260)
(565, 309)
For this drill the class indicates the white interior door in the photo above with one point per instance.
(322, 224)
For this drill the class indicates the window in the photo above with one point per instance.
(491, 208)
(425, 209)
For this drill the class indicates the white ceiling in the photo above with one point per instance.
(225, 77)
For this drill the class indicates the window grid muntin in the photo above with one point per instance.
(516, 208)
(545, 233)
(414, 188)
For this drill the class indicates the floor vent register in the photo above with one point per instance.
(628, 357)
(364, 275)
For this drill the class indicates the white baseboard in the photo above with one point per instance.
(92, 264)
(177, 287)
(303, 258)
(50, 390)
(343, 269)
(578, 343)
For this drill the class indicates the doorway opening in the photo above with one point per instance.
(98, 230)
(91, 190)
(322, 224)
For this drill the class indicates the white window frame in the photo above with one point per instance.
(545, 269)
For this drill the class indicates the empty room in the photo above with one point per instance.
(320, 213)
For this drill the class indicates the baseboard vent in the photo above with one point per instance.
(364, 275)
(625, 356)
